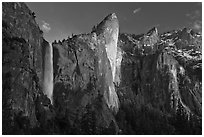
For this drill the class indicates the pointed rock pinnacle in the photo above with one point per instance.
(107, 32)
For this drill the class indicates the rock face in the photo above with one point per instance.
(155, 81)
(22, 69)
(109, 28)
(103, 82)
(21, 40)
(107, 34)
(84, 72)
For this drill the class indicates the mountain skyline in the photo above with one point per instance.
(62, 19)
(103, 82)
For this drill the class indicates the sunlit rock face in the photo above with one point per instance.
(109, 29)
(119, 58)
(84, 72)
(107, 33)
(164, 78)
(149, 41)
(167, 60)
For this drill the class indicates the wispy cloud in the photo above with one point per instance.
(197, 25)
(194, 15)
(45, 27)
(195, 19)
(136, 10)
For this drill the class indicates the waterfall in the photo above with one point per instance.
(48, 71)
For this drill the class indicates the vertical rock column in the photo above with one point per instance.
(173, 89)
(119, 57)
(107, 32)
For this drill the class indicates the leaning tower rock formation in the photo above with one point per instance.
(109, 28)
(107, 34)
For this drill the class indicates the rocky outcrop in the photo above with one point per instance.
(107, 34)
(21, 70)
(154, 81)
(150, 81)
(84, 73)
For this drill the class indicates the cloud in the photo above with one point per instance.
(45, 27)
(136, 10)
(197, 25)
(194, 15)
(195, 19)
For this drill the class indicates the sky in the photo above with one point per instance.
(62, 19)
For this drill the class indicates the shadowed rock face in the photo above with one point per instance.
(23, 102)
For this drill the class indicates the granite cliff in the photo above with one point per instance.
(104, 82)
